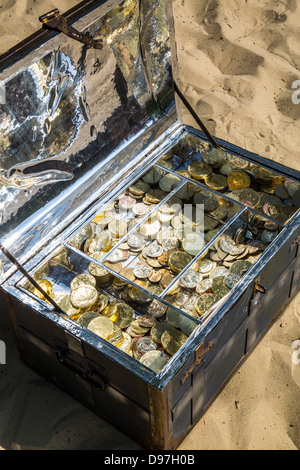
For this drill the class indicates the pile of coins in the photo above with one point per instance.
(157, 252)
(141, 327)
(212, 277)
(257, 187)
(118, 218)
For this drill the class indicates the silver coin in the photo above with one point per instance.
(126, 202)
(207, 267)
(204, 286)
(136, 241)
(219, 272)
(231, 280)
(190, 279)
(154, 251)
(142, 271)
(141, 209)
(116, 256)
(170, 243)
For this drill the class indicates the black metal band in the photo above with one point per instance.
(195, 116)
(29, 277)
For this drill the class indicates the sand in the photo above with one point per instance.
(237, 63)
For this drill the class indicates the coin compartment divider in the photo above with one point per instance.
(91, 213)
(148, 293)
(134, 229)
(184, 180)
(206, 316)
(227, 197)
(200, 254)
(144, 219)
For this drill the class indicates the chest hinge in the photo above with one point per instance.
(54, 20)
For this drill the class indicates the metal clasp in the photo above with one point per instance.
(54, 20)
(259, 288)
(296, 242)
(199, 353)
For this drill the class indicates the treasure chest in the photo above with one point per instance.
(142, 260)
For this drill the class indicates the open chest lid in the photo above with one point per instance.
(74, 108)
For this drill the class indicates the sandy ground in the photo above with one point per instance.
(237, 62)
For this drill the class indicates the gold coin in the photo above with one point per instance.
(150, 228)
(178, 260)
(101, 242)
(169, 182)
(155, 360)
(111, 311)
(171, 206)
(200, 170)
(193, 243)
(219, 288)
(102, 327)
(209, 200)
(86, 318)
(126, 343)
(102, 302)
(240, 267)
(139, 188)
(155, 196)
(187, 191)
(101, 275)
(65, 304)
(173, 317)
(125, 315)
(117, 338)
(46, 286)
(84, 296)
(238, 180)
(104, 218)
(118, 228)
(217, 182)
(173, 340)
(159, 329)
(138, 296)
(83, 279)
(205, 302)
(215, 157)
(137, 329)
(153, 175)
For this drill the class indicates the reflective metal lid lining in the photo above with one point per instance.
(69, 107)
